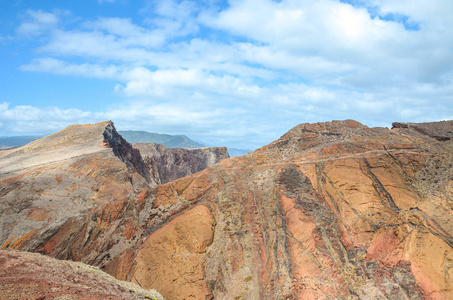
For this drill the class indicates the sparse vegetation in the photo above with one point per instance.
(435, 174)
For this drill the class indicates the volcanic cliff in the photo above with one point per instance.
(168, 164)
(331, 210)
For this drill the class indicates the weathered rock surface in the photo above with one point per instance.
(177, 250)
(331, 210)
(168, 164)
(65, 177)
(442, 131)
(33, 276)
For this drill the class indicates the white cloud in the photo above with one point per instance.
(431, 14)
(60, 67)
(127, 34)
(256, 67)
(30, 113)
(338, 35)
(30, 119)
(169, 83)
(92, 45)
(39, 22)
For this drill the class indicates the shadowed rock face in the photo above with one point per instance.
(168, 164)
(331, 210)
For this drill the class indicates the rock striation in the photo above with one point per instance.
(441, 131)
(332, 210)
(168, 164)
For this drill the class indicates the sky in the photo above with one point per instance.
(225, 73)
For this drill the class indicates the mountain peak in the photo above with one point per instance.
(90, 135)
(329, 128)
(70, 143)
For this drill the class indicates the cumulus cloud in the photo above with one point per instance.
(29, 119)
(253, 68)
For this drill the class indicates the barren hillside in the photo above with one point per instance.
(332, 210)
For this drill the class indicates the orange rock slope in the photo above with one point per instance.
(331, 210)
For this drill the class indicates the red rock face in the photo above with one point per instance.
(331, 210)
(177, 250)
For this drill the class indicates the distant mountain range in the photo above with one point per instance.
(16, 141)
(171, 141)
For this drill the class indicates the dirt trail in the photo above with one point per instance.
(362, 154)
(305, 161)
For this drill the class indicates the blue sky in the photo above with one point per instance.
(225, 73)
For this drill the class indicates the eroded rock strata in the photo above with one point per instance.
(331, 210)
(168, 164)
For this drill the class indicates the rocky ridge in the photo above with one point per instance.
(64, 176)
(332, 210)
(83, 177)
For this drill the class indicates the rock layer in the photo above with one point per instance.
(168, 164)
(331, 210)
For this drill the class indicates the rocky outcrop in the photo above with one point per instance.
(64, 179)
(168, 164)
(441, 131)
(32, 276)
(122, 149)
(332, 210)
